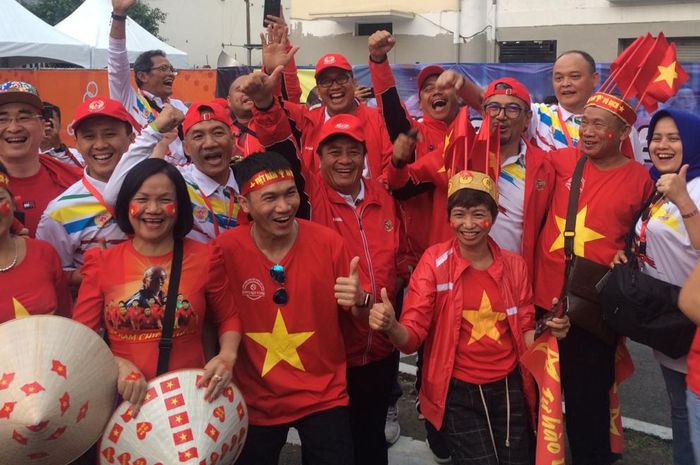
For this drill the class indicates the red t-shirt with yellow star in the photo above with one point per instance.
(291, 360)
(608, 202)
(35, 286)
(485, 352)
(125, 292)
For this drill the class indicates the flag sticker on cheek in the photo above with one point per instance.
(609, 135)
(5, 207)
(135, 209)
(484, 224)
(170, 209)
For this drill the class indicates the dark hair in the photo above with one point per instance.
(144, 63)
(470, 198)
(335, 137)
(133, 182)
(48, 106)
(257, 162)
(585, 55)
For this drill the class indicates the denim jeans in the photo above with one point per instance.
(676, 388)
(694, 420)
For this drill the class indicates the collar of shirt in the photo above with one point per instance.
(519, 158)
(567, 115)
(360, 196)
(159, 101)
(208, 185)
(99, 185)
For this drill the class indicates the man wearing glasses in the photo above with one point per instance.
(154, 76)
(36, 179)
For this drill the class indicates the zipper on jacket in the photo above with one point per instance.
(370, 271)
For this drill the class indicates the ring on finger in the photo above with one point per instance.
(216, 378)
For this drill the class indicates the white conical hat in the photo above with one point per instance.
(58, 383)
(177, 426)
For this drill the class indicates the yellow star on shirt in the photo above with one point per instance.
(20, 310)
(484, 321)
(662, 214)
(583, 233)
(667, 74)
(280, 345)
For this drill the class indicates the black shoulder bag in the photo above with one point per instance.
(644, 308)
(581, 275)
(166, 338)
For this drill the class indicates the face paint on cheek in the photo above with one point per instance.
(135, 209)
(610, 135)
(5, 207)
(170, 209)
(484, 224)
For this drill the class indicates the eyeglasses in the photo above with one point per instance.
(280, 297)
(165, 69)
(341, 79)
(512, 110)
(21, 120)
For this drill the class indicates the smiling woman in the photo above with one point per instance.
(126, 289)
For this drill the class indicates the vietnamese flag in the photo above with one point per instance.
(542, 360)
(179, 419)
(174, 402)
(182, 437)
(6, 380)
(484, 156)
(170, 385)
(625, 66)
(458, 141)
(150, 395)
(669, 78)
(188, 454)
(624, 367)
(115, 433)
(212, 432)
(647, 69)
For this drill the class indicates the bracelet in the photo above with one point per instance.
(367, 299)
(117, 17)
(690, 215)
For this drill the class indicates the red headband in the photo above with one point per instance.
(265, 178)
(614, 105)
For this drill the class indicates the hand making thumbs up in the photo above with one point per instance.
(382, 317)
(674, 186)
(348, 291)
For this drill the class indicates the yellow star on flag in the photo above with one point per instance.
(484, 321)
(667, 74)
(583, 233)
(281, 345)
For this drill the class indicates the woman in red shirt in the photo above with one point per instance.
(31, 277)
(131, 281)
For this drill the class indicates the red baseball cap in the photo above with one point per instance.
(332, 60)
(346, 124)
(102, 106)
(205, 111)
(425, 73)
(509, 86)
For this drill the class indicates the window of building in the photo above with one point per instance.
(367, 29)
(527, 51)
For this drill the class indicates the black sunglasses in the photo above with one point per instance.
(280, 297)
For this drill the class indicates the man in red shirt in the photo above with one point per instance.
(36, 179)
(241, 108)
(291, 366)
(613, 188)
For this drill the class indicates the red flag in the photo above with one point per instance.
(182, 437)
(542, 360)
(32, 388)
(189, 454)
(7, 409)
(19, 438)
(58, 433)
(240, 410)
(624, 367)
(38, 427)
(6, 380)
(670, 76)
(646, 70)
(484, 156)
(150, 395)
(624, 67)
(174, 402)
(179, 419)
(228, 393)
(82, 413)
(212, 432)
(64, 403)
(170, 385)
(458, 141)
(115, 433)
(128, 415)
(59, 368)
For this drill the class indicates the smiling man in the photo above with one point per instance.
(241, 107)
(210, 182)
(79, 218)
(154, 76)
(35, 178)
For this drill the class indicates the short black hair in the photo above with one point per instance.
(257, 162)
(585, 55)
(144, 63)
(48, 106)
(133, 182)
(470, 198)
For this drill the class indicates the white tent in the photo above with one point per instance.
(90, 23)
(24, 39)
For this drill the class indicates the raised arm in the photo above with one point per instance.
(118, 68)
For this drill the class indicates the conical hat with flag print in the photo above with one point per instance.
(176, 425)
(58, 383)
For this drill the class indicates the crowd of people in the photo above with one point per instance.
(305, 246)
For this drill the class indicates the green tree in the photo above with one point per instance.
(55, 11)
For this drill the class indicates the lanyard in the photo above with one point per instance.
(646, 217)
(229, 216)
(565, 129)
(95, 193)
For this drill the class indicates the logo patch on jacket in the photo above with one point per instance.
(388, 225)
(253, 289)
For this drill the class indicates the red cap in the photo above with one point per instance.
(343, 124)
(205, 111)
(221, 101)
(102, 106)
(332, 60)
(425, 73)
(517, 89)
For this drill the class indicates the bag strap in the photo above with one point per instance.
(166, 338)
(570, 227)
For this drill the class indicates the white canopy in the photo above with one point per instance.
(90, 23)
(24, 38)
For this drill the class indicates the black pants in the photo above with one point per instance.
(325, 437)
(466, 428)
(369, 388)
(587, 374)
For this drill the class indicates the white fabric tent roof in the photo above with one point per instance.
(24, 38)
(90, 23)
